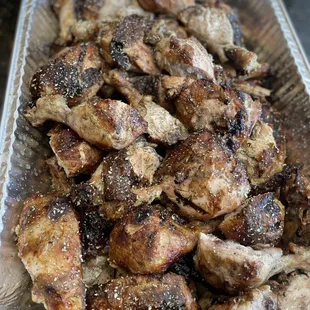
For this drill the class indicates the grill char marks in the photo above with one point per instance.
(75, 74)
(149, 240)
(128, 50)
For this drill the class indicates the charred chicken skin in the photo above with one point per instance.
(149, 240)
(74, 73)
(163, 292)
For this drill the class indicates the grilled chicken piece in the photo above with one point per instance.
(128, 50)
(206, 105)
(108, 124)
(60, 181)
(297, 220)
(73, 154)
(263, 153)
(69, 12)
(203, 177)
(122, 172)
(259, 299)
(162, 126)
(214, 29)
(149, 240)
(74, 73)
(162, 88)
(259, 221)
(116, 10)
(122, 181)
(233, 267)
(50, 248)
(184, 57)
(296, 293)
(164, 28)
(164, 292)
(165, 6)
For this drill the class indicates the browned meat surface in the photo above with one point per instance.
(259, 221)
(105, 36)
(297, 219)
(122, 181)
(108, 124)
(296, 293)
(149, 240)
(164, 28)
(256, 299)
(165, 6)
(162, 88)
(215, 29)
(50, 248)
(74, 73)
(206, 105)
(203, 177)
(128, 50)
(263, 153)
(73, 154)
(164, 292)
(60, 181)
(133, 167)
(233, 267)
(162, 126)
(184, 57)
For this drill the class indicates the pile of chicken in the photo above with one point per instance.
(170, 187)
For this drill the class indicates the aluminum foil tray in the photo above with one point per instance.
(23, 149)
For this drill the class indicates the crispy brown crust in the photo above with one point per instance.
(259, 221)
(50, 248)
(75, 74)
(164, 292)
(73, 154)
(149, 240)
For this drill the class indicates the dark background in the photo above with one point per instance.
(299, 11)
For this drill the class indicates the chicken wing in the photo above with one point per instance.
(73, 154)
(259, 299)
(74, 73)
(203, 177)
(165, 6)
(164, 292)
(184, 57)
(233, 267)
(259, 221)
(50, 248)
(206, 105)
(149, 240)
(108, 124)
(128, 49)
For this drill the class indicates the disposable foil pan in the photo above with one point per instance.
(23, 149)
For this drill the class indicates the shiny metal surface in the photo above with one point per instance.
(23, 149)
